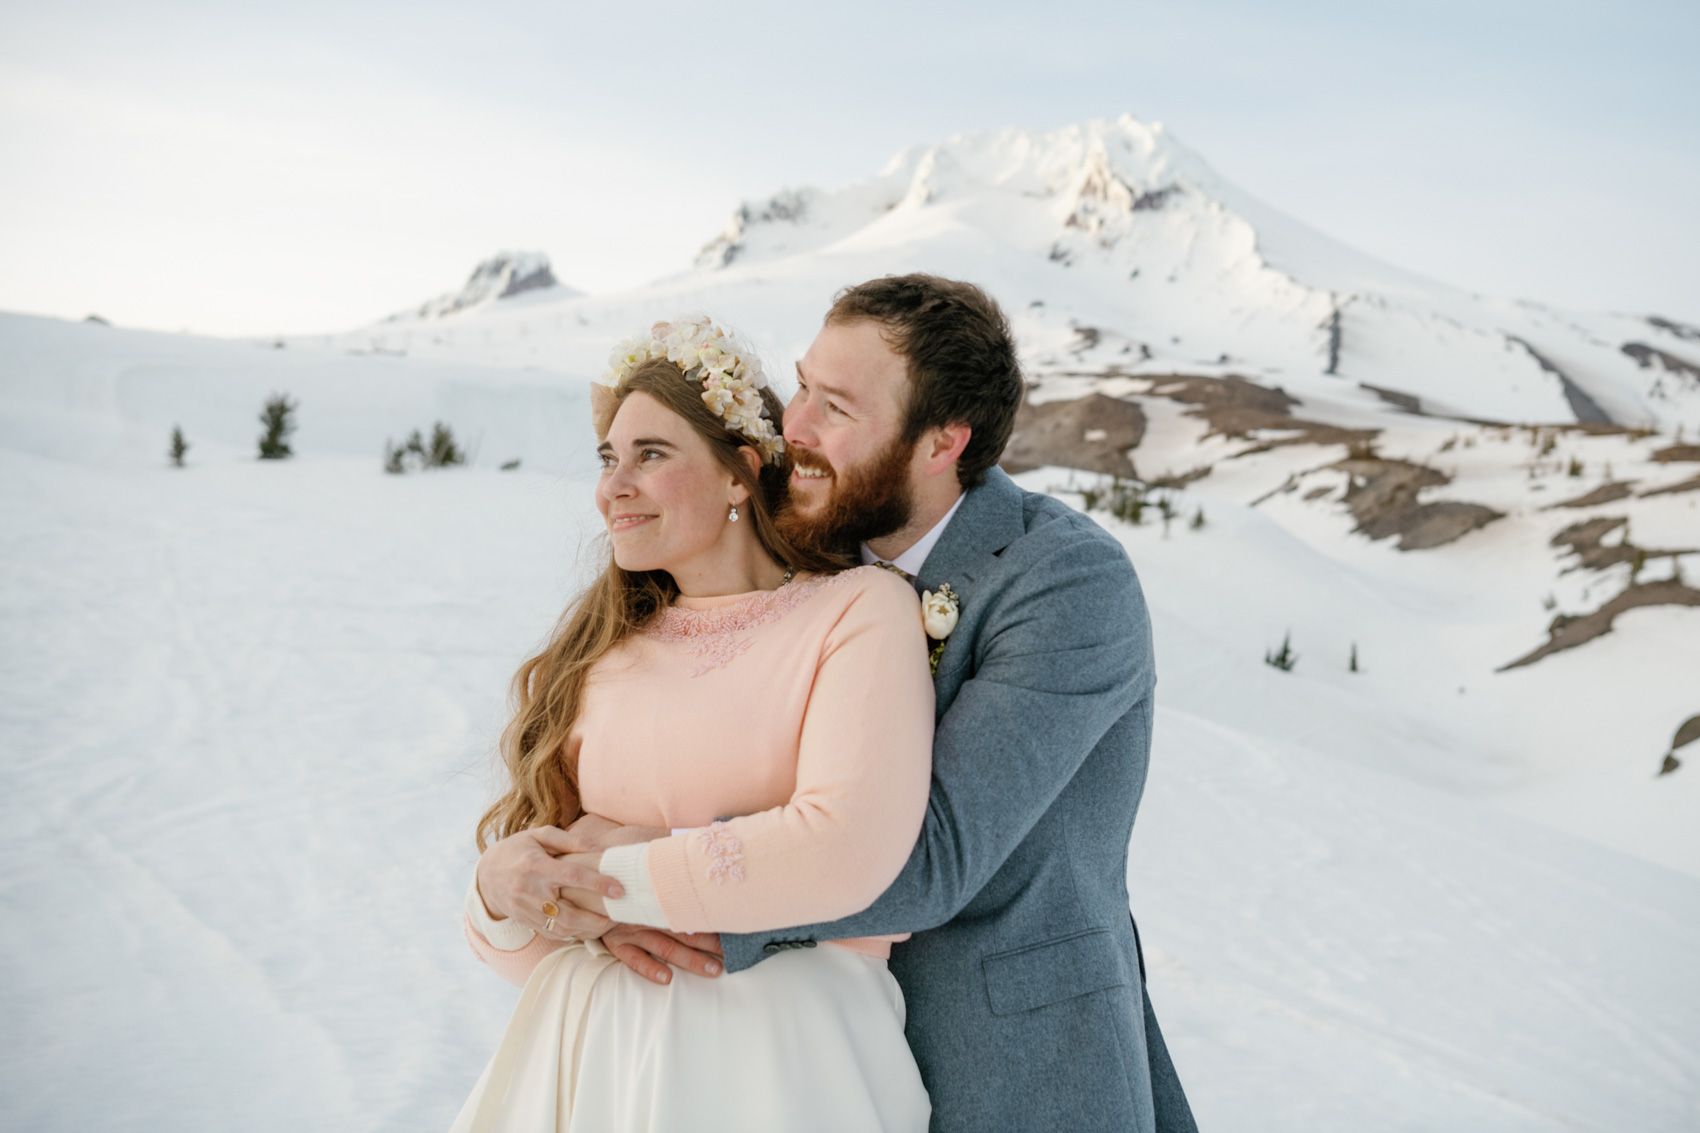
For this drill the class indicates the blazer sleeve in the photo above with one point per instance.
(863, 767)
(1065, 654)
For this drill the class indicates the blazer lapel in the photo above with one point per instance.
(989, 520)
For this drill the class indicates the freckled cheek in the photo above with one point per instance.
(678, 495)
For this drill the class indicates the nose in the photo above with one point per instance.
(616, 484)
(799, 424)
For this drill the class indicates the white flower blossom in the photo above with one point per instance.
(729, 376)
(939, 612)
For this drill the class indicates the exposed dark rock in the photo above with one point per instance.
(1092, 433)
(1231, 391)
(1648, 356)
(1604, 494)
(1681, 330)
(1180, 480)
(1154, 198)
(1585, 407)
(1686, 732)
(1382, 497)
(1673, 453)
(1568, 631)
(1235, 407)
(1333, 327)
(92, 318)
(1692, 484)
(502, 275)
(1584, 539)
(789, 206)
(1402, 401)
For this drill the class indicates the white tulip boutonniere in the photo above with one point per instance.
(938, 617)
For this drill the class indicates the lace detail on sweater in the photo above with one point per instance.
(720, 635)
(725, 853)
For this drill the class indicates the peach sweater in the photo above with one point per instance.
(803, 717)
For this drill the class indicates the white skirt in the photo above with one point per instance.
(808, 1039)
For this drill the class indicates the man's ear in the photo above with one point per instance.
(943, 445)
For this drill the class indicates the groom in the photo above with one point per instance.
(1024, 980)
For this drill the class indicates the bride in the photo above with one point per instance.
(713, 669)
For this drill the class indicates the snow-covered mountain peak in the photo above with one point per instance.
(500, 276)
(1114, 166)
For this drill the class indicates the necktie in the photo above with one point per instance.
(895, 569)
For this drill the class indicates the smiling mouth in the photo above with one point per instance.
(801, 473)
(625, 522)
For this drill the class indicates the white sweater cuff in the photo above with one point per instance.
(507, 935)
(629, 865)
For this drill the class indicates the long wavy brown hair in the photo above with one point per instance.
(548, 689)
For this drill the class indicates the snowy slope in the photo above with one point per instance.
(251, 705)
(249, 724)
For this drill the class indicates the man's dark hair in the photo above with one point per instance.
(961, 358)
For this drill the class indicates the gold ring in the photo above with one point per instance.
(551, 910)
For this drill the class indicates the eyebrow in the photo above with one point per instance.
(641, 442)
(831, 391)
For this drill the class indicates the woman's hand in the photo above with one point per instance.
(583, 897)
(522, 872)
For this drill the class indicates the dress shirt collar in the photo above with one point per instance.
(910, 561)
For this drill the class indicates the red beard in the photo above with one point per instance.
(865, 502)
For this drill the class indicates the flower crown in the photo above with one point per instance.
(729, 371)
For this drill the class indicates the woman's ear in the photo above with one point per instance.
(752, 459)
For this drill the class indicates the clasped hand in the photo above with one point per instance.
(543, 864)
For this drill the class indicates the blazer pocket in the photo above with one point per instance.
(1041, 974)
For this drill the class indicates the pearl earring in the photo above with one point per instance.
(732, 516)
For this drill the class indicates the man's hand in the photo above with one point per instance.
(649, 951)
(592, 834)
(517, 875)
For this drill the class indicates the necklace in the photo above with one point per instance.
(790, 573)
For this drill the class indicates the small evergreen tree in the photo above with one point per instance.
(1352, 667)
(415, 446)
(279, 422)
(1127, 501)
(1285, 659)
(1575, 468)
(443, 450)
(392, 458)
(1197, 518)
(510, 465)
(178, 446)
(1635, 566)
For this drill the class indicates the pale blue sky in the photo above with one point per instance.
(236, 168)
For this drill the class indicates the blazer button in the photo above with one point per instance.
(808, 944)
(770, 948)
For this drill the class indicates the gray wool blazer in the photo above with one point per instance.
(1025, 980)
